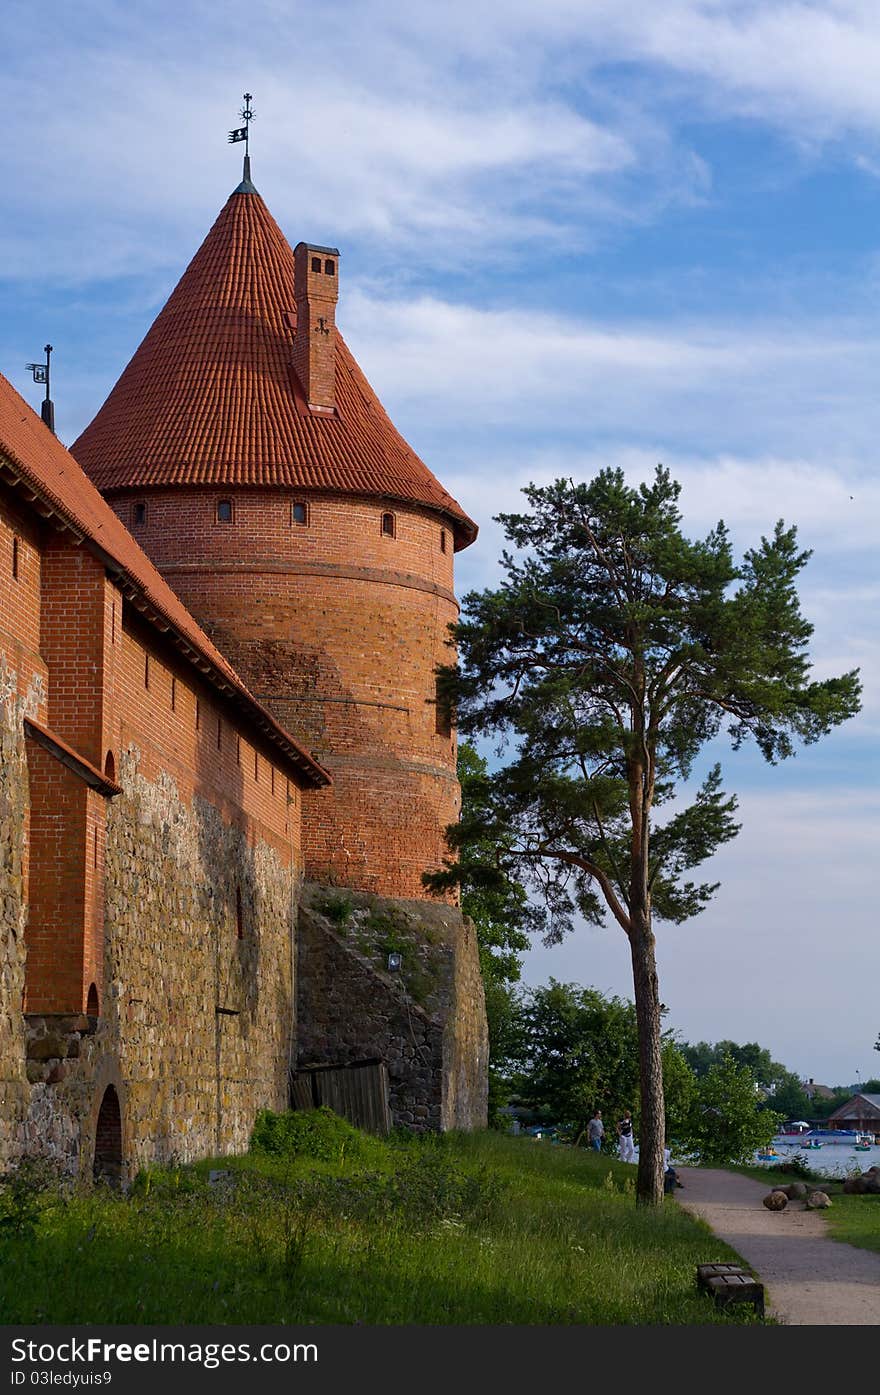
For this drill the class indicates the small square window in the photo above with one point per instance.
(299, 513)
(224, 511)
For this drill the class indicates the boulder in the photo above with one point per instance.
(817, 1201)
(854, 1186)
(776, 1200)
(795, 1191)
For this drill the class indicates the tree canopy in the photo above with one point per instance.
(612, 652)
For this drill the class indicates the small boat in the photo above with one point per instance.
(812, 1143)
(863, 1147)
(769, 1157)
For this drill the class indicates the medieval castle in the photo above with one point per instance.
(223, 762)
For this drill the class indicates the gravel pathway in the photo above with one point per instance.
(809, 1278)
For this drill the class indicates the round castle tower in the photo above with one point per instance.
(248, 455)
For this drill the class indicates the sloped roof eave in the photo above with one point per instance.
(189, 639)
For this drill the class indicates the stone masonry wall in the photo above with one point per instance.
(13, 917)
(196, 1029)
(426, 1021)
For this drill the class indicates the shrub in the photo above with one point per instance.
(796, 1166)
(23, 1196)
(308, 1133)
(336, 908)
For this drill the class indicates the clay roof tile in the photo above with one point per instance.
(210, 397)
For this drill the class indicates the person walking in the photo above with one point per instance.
(596, 1131)
(625, 1139)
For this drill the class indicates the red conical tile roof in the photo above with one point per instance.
(210, 397)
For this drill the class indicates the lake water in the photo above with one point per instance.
(832, 1159)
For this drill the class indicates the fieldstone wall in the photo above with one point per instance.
(427, 1021)
(14, 1091)
(196, 1028)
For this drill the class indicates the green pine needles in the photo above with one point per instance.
(613, 651)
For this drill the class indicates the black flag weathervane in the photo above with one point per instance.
(41, 375)
(243, 132)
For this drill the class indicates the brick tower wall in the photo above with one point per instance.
(337, 627)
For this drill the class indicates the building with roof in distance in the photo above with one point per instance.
(861, 1112)
(816, 1092)
(225, 766)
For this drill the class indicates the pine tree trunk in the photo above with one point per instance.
(652, 1127)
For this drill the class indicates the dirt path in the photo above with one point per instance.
(809, 1278)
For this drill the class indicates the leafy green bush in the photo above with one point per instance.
(337, 908)
(725, 1122)
(24, 1194)
(796, 1166)
(308, 1133)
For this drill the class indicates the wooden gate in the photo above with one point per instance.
(359, 1092)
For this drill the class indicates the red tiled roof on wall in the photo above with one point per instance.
(35, 458)
(210, 397)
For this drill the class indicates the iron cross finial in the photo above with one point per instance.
(243, 132)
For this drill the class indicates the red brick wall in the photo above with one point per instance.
(338, 628)
(79, 656)
(59, 900)
(20, 595)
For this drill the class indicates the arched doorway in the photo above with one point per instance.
(108, 1139)
(92, 1002)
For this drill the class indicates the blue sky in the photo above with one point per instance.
(573, 234)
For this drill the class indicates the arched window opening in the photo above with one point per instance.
(442, 539)
(92, 1002)
(110, 766)
(330, 267)
(108, 1139)
(316, 263)
(388, 524)
(139, 514)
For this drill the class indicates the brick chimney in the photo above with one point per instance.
(316, 291)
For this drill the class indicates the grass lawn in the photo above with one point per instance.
(350, 1229)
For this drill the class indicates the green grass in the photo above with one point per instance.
(459, 1229)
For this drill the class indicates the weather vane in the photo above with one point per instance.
(41, 375)
(243, 132)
